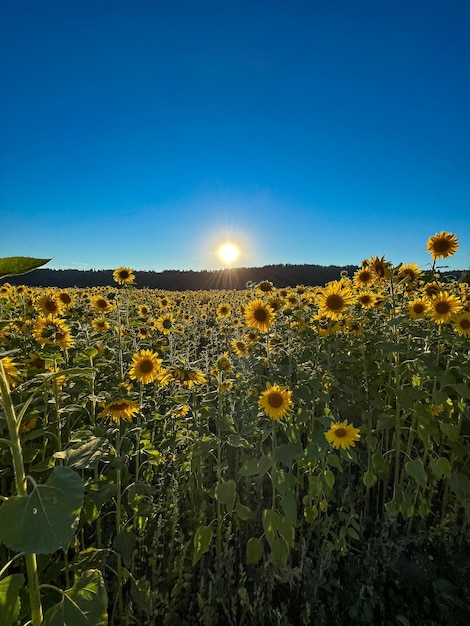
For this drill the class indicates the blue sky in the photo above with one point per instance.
(144, 133)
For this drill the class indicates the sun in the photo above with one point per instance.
(228, 252)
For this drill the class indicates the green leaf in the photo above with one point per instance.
(329, 478)
(243, 511)
(202, 539)
(286, 453)
(270, 521)
(86, 456)
(44, 520)
(416, 470)
(225, 493)
(369, 479)
(450, 431)
(441, 467)
(254, 550)
(10, 603)
(237, 441)
(84, 604)
(256, 467)
(16, 265)
(279, 551)
(125, 543)
(460, 485)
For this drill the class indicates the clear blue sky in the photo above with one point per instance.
(145, 132)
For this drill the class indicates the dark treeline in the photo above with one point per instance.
(285, 275)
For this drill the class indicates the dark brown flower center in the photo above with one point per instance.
(334, 302)
(260, 315)
(146, 366)
(442, 308)
(418, 307)
(441, 245)
(464, 324)
(340, 432)
(275, 400)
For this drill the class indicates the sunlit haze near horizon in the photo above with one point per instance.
(148, 133)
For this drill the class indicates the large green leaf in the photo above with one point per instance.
(202, 540)
(84, 604)
(9, 599)
(44, 520)
(225, 493)
(15, 265)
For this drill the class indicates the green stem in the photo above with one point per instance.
(20, 479)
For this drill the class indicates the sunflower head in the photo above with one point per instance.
(123, 276)
(342, 435)
(442, 245)
(119, 410)
(462, 324)
(146, 366)
(259, 315)
(276, 401)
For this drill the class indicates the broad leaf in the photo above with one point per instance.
(9, 599)
(44, 520)
(16, 265)
(416, 470)
(202, 539)
(254, 550)
(84, 604)
(225, 493)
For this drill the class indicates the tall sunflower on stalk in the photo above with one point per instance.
(342, 435)
(146, 367)
(335, 299)
(443, 307)
(259, 315)
(120, 410)
(276, 401)
(442, 245)
(124, 276)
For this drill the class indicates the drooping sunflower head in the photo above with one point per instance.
(259, 315)
(51, 331)
(431, 290)
(276, 401)
(123, 276)
(101, 304)
(343, 435)
(265, 286)
(410, 271)
(443, 307)
(120, 410)
(100, 324)
(442, 245)
(146, 366)
(11, 370)
(381, 268)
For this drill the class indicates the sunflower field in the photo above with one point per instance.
(294, 456)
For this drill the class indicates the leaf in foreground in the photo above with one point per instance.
(16, 265)
(10, 603)
(44, 520)
(84, 604)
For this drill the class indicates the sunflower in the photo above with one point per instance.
(276, 401)
(343, 435)
(165, 324)
(65, 298)
(100, 324)
(442, 245)
(462, 323)
(223, 310)
(431, 289)
(418, 308)
(49, 305)
(11, 372)
(224, 364)
(410, 271)
(28, 426)
(143, 310)
(146, 366)
(47, 330)
(265, 286)
(119, 410)
(381, 268)
(259, 315)
(123, 276)
(180, 411)
(102, 304)
(366, 299)
(334, 299)
(443, 307)
(240, 347)
(185, 375)
(363, 277)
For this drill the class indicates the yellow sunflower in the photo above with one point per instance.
(335, 299)
(11, 371)
(180, 411)
(240, 347)
(143, 310)
(343, 435)
(224, 364)
(381, 268)
(366, 299)
(165, 324)
(123, 276)
(418, 308)
(443, 307)
(431, 290)
(28, 425)
(146, 366)
(47, 330)
(265, 286)
(363, 277)
(276, 401)
(119, 410)
(442, 245)
(410, 271)
(223, 310)
(48, 304)
(462, 323)
(259, 315)
(100, 324)
(185, 375)
(102, 304)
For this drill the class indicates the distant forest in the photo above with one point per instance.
(285, 275)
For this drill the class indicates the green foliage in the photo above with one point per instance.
(16, 265)
(10, 602)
